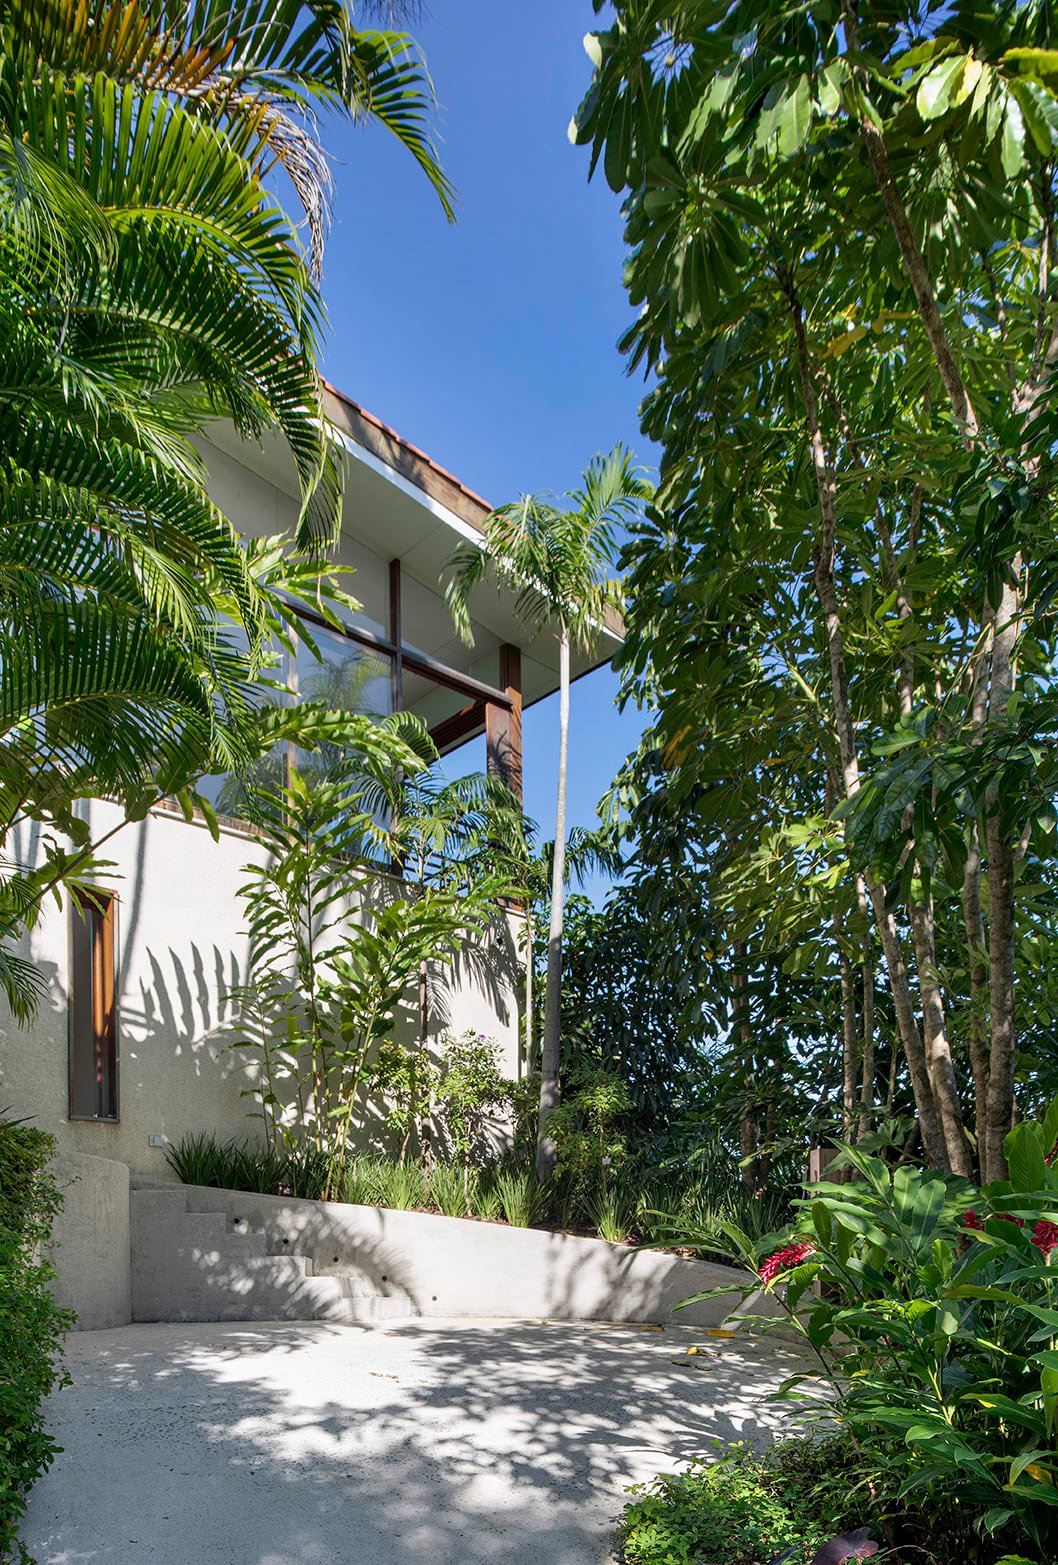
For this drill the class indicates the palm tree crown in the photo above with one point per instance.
(557, 559)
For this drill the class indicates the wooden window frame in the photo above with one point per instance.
(94, 915)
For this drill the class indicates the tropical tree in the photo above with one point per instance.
(334, 950)
(149, 283)
(841, 221)
(557, 559)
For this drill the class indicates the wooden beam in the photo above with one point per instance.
(460, 725)
(503, 724)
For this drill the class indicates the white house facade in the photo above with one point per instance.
(131, 1052)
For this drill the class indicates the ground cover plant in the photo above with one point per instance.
(32, 1323)
(743, 1507)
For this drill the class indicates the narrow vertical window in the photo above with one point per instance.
(93, 1008)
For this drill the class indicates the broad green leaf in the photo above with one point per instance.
(937, 87)
(796, 119)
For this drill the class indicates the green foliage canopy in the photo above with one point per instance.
(841, 237)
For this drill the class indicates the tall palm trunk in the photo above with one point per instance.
(552, 1045)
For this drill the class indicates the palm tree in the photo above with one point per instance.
(149, 282)
(557, 560)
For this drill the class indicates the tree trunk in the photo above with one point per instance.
(867, 1017)
(973, 920)
(938, 1048)
(850, 1050)
(749, 1127)
(977, 953)
(912, 258)
(525, 1065)
(550, 1063)
(421, 1111)
(999, 1113)
(826, 592)
(1001, 861)
(866, 1052)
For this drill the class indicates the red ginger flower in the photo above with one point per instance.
(1045, 1236)
(970, 1219)
(789, 1256)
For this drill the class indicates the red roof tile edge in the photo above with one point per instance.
(423, 456)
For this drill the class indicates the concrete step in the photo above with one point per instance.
(213, 1228)
(355, 1280)
(206, 1227)
(202, 1285)
(165, 1205)
(211, 1262)
(373, 1312)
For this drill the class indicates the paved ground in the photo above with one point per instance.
(433, 1443)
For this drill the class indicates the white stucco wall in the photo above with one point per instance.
(180, 948)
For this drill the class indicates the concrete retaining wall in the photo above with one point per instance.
(90, 1241)
(443, 1266)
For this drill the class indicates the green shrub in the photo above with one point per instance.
(742, 1508)
(588, 1128)
(30, 1321)
(471, 1092)
(930, 1306)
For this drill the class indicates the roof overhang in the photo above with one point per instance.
(400, 504)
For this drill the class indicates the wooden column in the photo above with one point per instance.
(396, 635)
(503, 725)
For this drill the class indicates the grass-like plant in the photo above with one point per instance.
(485, 1198)
(613, 1213)
(249, 1165)
(401, 1186)
(450, 1189)
(520, 1196)
(200, 1160)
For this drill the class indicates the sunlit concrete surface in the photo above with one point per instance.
(434, 1443)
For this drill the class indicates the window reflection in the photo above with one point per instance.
(346, 677)
(228, 793)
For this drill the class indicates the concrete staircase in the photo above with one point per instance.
(196, 1257)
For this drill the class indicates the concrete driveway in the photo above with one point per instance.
(434, 1443)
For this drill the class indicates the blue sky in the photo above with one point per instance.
(491, 343)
